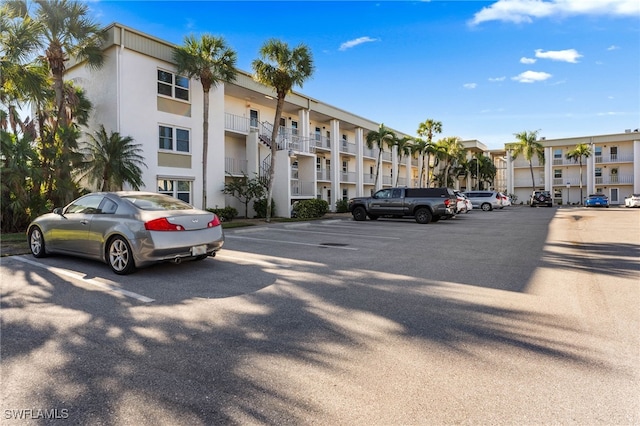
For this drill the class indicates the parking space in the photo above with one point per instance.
(338, 321)
(436, 250)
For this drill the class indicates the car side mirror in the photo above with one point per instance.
(58, 210)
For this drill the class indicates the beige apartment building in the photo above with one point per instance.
(612, 169)
(322, 150)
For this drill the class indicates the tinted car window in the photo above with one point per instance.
(108, 207)
(85, 205)
(157, 202)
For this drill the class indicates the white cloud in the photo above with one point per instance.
(470, 85)
(497, 79)
(352, 43)
(524, 60)
(525, 11)
(568, 55)
(613, 47)
(531, 76)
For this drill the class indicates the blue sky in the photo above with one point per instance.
(485, 69)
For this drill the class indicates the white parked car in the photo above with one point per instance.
(463, 205)
(506, 200)
(632, 200)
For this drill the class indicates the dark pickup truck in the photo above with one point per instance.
(424, 204)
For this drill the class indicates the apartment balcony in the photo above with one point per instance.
(387, 180)
(402, 181)
(614, 180)
(520, 162)
(369, 152)
(236, 123)
(303, 188)
(320, 142)
(386, 156)
(235, 166)
(368, 178)
(347, 147)
(323, 174)
(348, 177)
(414, 162)
(615, 158)
(526, 183)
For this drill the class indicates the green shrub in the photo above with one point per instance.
(342, 206)
(260, 206)
(226, 214)
(309, 209)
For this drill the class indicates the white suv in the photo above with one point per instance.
(485, 200)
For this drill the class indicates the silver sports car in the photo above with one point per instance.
(127, 230)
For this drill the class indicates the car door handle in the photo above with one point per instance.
(84, 222)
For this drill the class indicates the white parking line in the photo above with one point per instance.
(339, 233)
(79, 277)
(237, 237)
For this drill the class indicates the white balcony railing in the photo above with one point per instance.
(614, 179)
(303, 188)
(369, 178)
(323, 174)
(235, 166)
(347, 147)
(348, 177)
(236, 123)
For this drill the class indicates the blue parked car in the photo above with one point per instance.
(597, 200)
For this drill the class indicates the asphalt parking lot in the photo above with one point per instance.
(516, 316)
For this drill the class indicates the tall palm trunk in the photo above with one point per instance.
(205, 143)
(274, 148)
(533, 180)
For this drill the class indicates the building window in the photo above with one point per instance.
(597, 152)
(557, 173)
(168, 135)
(345, 166)
(253, 118)
(557, 156)
(345, 194)
(172, 85)
(180, 189)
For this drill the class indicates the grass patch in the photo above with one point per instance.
(14, 237)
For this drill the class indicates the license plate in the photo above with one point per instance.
(198, 250)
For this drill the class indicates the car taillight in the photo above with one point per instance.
(214, 222)
(447, 202)
(162, 224)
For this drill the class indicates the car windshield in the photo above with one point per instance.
(157, 202)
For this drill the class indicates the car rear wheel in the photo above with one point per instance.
(486, 207)
(119, 256)
(36, 243)
(423, 216)
(359, 213)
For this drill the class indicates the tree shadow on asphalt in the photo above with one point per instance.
(206, 353)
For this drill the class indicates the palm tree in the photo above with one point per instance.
(450, 150)
(486, 169)
(68, 33)
(212, 62)
(111, 161)
(281, 68)
(581, 150)
(404, 147)
(426, 129)
(382, 137)
(529, 147)
(65, 32)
